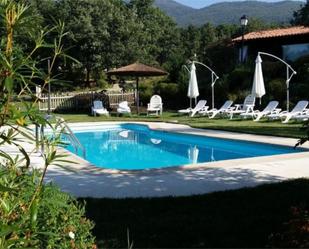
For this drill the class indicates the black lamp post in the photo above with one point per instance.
(243, 24)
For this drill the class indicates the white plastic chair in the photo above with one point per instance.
(271, 108)
(246, 107)
(223, 109)
(123, 107)
(155, 105)
(285, 116)
(98, 108)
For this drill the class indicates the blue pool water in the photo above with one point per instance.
(133, 147)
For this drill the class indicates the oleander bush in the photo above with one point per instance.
(53, 220)
(32, 214)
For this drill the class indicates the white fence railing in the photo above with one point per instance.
(84, 100)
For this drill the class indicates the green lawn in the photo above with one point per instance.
(246, 217)
(246, 126)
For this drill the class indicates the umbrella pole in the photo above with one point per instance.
(287, 89)
(213, 97)
(212, 91)
(137, 96)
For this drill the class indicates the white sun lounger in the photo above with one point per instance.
(200, 103)
(98, 108)
(223, 109)
(271, 108)
(246, 107)
(304, 116)
(285, 116)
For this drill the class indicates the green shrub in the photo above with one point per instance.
(221, 90)
(277, 90)
(32, 215)
(145, 92)
(55, 220)
(170, 94)
(101, 79)
(240, 80)
(294, 232)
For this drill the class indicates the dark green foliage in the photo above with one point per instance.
(277, 88)
(172, 95)
(295, 232)
(32, 215)
(241, 218)
(230, 12)
(304, 138)
(299, 85)
(240, 80)
(145, 92)
(48, 222)
(111, 33)
(301, 16)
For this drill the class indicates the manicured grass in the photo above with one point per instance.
(275, 128)
(239, 218)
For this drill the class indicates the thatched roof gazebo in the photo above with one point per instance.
(137, 70)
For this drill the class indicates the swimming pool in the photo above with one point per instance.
(135, 147)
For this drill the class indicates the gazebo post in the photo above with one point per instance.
(137, 96)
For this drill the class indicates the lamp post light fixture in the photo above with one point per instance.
(243, 24)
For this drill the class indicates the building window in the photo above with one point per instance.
(244, 54)
(295, 51)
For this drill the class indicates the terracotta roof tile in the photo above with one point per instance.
(297, 30)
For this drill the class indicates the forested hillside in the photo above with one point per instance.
(230, 12)
(107, 34)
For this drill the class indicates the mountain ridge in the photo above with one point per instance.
(230, 12)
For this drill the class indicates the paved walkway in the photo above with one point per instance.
(87, 180)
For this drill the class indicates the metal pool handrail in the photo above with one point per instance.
(73, 139)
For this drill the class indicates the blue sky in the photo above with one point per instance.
(202, 3)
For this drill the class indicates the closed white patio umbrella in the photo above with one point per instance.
(193, 91)
(258, 88)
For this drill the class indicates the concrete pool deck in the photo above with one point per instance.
(88, 181)
(85, 180)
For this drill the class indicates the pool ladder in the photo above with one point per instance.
(71, 137)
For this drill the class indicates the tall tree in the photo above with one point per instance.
(301, 17)
(110, 33)
(156, 34)
(191, 38)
